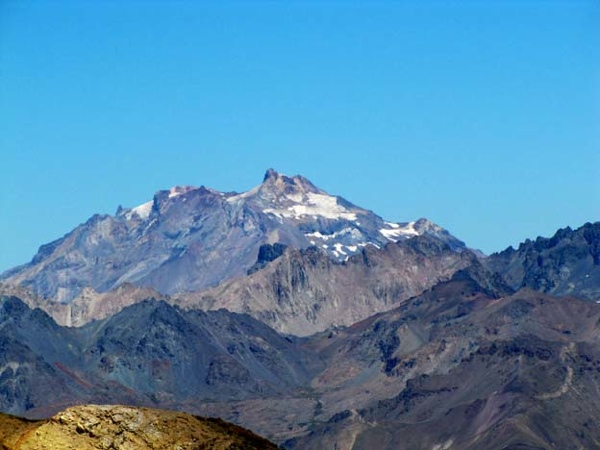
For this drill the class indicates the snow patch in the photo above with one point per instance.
(237, 197)
(313, 205)
(352, 232)
(318, 234)
(176, 191)
(396, 232)
(142, 211)
(13, 366)
(339, 249)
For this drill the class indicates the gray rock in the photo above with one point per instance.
(188, 238)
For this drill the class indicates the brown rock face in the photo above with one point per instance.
(87, 306)
(304, 291)
(121, 427)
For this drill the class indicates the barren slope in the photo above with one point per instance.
(92, 427)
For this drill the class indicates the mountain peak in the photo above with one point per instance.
(297, 184)
(270, 174)
(176, 191)
(218, 234)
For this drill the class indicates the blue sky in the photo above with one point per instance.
(483, 116)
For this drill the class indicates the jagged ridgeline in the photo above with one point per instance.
(188, 238)
(565, 264)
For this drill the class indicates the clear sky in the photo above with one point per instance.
(483, 116)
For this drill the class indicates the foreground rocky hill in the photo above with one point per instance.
(91, 427)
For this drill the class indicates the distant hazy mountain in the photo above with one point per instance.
(568, 263)
(188, 238)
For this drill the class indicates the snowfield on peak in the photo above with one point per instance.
(142, 211)
(176, 191)
(398, 232)
(346, 232)
(315, 205)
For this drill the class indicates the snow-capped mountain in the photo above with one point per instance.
(189, 238)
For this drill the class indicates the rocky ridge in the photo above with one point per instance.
(302, 292)
(189, 238)
(150, 353)
(567, 263)
(97, 427)
(460, 367)
(87, 306)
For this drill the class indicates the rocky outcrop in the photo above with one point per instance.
(304, 291)
(568, 263)
(101, 427)
(266, 254)
(87, 306)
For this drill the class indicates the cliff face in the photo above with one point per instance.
(302, 292)
(92, 427)
(568, 263)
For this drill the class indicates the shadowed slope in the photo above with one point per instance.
(568, 263)
(458, 368)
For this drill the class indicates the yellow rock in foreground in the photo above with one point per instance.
(110, 427)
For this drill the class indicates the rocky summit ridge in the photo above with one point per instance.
(190, 238)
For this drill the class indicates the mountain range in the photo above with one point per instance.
(312, 322)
